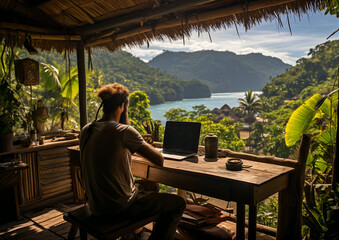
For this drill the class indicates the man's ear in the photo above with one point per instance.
(122, 107)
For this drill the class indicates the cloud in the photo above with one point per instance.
(266, 39)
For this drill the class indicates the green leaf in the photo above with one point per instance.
(320, 165)
(300, 120)
(311, 102)
(327, 137)
(326, 107)
(70, 85)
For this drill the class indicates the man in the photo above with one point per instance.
(106, 147)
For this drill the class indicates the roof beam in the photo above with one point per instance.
(139, 17)
(193, 19)
(27, 28)
(34, 3)
(55, 37)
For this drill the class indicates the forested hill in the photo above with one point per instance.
(222, 71)
(314, 74)
(132, 72)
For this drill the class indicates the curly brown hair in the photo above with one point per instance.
(113, 95)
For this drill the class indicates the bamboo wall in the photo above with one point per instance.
(79, 193)
(48, 176)
(29, 183)
(55, 174)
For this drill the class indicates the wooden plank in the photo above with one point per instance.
(56, 189)
(265, 159)
(55, 179)
(13, 226)
(61, 193)
(26, 28)
(48, 176)
(54, 156)
(43, 215)
(55, 185)
(139, 170)
(51, 162)
(55, 165)
(55, 221)
(56, 170)
(53, 151)
(201, 183)
(257, 174)
(267, 189)
(23, 233)
(46, 201)
(47, 145)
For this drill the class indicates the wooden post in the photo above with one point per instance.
(252, 222)
(290, 199)
(82, 83)
(240, 221)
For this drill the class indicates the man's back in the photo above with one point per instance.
(106, 165)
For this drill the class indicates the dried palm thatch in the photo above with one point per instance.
(113, 24)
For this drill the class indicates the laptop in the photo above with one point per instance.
(181, 140)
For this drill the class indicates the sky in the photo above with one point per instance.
(267, 38)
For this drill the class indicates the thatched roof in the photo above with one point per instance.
(113, 24)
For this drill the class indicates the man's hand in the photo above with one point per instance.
(151, 154)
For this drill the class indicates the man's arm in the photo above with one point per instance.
(151, 154)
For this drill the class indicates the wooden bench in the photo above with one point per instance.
(102, 227)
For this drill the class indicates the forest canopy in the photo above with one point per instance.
(122, 67)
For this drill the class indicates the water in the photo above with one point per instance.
(217, 100)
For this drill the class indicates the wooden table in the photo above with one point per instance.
(249, 186)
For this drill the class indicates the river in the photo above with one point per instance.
(217, 100)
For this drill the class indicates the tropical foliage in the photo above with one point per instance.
(318, 117)
(250, 105)
(122, 67)
(12, 111)
(138, 113)
(286, 92)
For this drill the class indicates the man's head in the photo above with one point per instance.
(115, 101)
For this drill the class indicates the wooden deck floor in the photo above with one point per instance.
(37, 225)
(49, 224)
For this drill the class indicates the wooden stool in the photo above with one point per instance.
(102, 227)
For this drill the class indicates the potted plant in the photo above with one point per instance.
(9, 115)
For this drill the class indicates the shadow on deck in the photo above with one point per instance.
(49, 224)
(44, 224)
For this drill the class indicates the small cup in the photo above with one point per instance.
(234, 164)
(42, 140)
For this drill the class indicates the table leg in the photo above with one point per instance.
(182, 193)
(252, 222)
(240, 221)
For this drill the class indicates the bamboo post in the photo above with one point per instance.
(290, 199)
(82, 83)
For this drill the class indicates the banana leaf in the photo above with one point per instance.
(70, 84)
(300, 120)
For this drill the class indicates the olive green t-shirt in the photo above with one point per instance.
(106, 165)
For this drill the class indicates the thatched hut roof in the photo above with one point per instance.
(113, 24)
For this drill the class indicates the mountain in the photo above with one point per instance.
(222, 71)
(311, 75)
(124, 68)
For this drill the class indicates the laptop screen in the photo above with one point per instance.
(182, 136)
